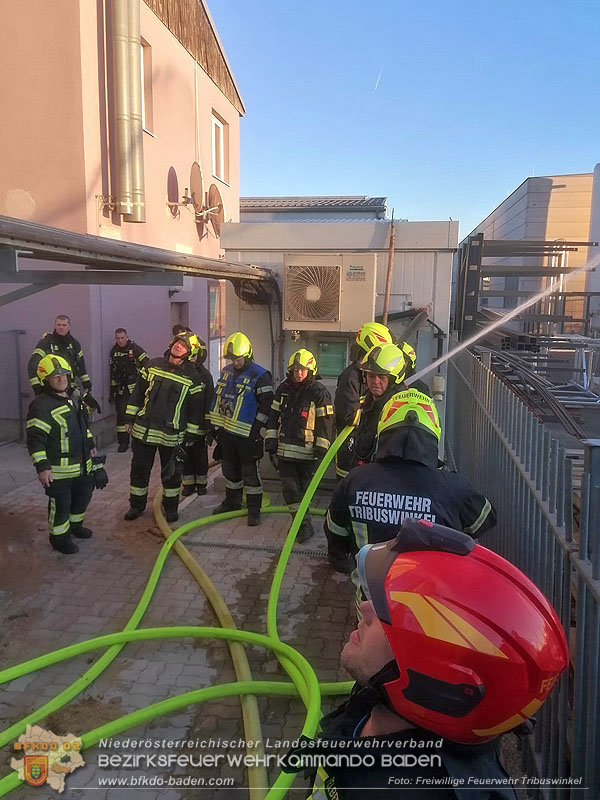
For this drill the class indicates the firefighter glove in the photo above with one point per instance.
(271, 445)
(99, 473)
(91, 402)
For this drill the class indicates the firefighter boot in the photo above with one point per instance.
(305, 531)
(81, 533)
(64, 543)
(254, 503)
(122, 448)
(187, 491)
(232, 502)
(133, 513)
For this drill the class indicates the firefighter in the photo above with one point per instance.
(299, 431)
(456, 647)
(60, 342)
(240, 409)
(384, 369)
(125, 361)
(61, 447)
(195, 468)
(164, 413)
(350, 389)
(371, 503)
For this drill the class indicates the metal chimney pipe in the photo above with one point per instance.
(135, 116)
(122, 127)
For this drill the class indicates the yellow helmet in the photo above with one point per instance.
(413, 409)
(304, 359)
(51, 365)
(202, 350)
(409, 355)
(386, 359)
(372, 334)
(190, 340)
(237, 346)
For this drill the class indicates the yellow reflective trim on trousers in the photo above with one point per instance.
(296, 451)
(39, 423)
(51, 513)
(474, 527)
(171, 492)
(271, 434)
(234, 484)
(39, 455)
(59, 530)
(254, 489)
(189, 480)
(138, 491)
(77, 517)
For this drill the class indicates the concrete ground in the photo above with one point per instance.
(48, 601)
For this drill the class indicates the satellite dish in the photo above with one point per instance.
(197, 189)
(214, 211)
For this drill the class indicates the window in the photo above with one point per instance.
(147, 102)
(220, 147)
(331, 358)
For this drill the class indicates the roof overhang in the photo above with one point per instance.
(107, 261)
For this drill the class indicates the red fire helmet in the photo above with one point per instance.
(477, 645)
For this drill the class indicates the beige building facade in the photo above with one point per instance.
(548, 208)
(60, 166)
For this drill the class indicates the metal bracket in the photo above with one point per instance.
(9, 258)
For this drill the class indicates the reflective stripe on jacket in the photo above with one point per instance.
(65, 346)
(166, 404)
(58, 436)
(124, 365)
(301, 420)
(242, 399)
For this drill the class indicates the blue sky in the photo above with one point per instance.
(473, 98)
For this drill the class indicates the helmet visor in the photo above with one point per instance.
(375, 560)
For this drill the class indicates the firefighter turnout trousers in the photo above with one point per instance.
(68, 499)
(141, 467)
(239, 464)
(121, 401)
(295, 477)
(195, 468)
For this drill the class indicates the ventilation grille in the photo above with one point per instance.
(312, 293)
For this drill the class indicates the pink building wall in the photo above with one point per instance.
(56, 163)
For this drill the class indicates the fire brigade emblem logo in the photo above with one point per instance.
(36, 770)
(43, 757)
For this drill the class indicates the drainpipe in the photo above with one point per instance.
(138, 213)
(122, 122)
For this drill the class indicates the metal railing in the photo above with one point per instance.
(493, 439)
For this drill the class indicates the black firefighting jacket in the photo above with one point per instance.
(365, 434)
(66, 346)
(167, 403)
(370, 504)
(58, 436)
(301, 421)
(209, 392)
(350, 387)
(124, 366)
(446, 769)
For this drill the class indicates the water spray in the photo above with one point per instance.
(502, 321)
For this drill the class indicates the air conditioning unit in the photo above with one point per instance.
(328, 292)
